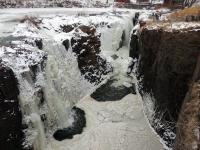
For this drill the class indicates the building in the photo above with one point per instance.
(122, 1)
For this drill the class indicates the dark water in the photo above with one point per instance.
(107, 92)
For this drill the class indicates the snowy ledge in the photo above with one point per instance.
(174, 26)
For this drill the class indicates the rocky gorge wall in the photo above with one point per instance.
(167, 61)
(10, 113)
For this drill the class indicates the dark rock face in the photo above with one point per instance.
(11, 136)
(32, 62)
(67, 28)
(122, 39)
(39, 43)
(87, 49)
(134, 46)
(76, 128)
(135, 19)
(66, 44)
(107, 92)
(166, 66)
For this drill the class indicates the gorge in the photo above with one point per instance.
(64, 82)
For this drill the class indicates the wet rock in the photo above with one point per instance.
(76, 128)
(87, 49)
(122, 39)
(114, 56)
(67, 28)
(134, 46)
(12, 136)
(109, 92)
(66, 44)
(142, 23)
(39, 43)
(135, 19)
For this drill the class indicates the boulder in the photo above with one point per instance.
(67, 28)
(66, 44)
(79, 122)
(39, 43)
(108, 92)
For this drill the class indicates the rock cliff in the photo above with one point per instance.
(10, 113)
(168, 58)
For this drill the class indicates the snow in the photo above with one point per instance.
(133, 1)
(181, 26)
(20, 60)
(184, 25)
(157, 1)
(145, 16)
(26, 29)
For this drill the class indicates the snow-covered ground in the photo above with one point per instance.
(9, 18)
(118, 125)
(173, 26)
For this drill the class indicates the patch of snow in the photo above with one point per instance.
(157, 1)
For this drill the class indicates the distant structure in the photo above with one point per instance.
(175, 3)
(122, 1)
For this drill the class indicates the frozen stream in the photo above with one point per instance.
(117, 125)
